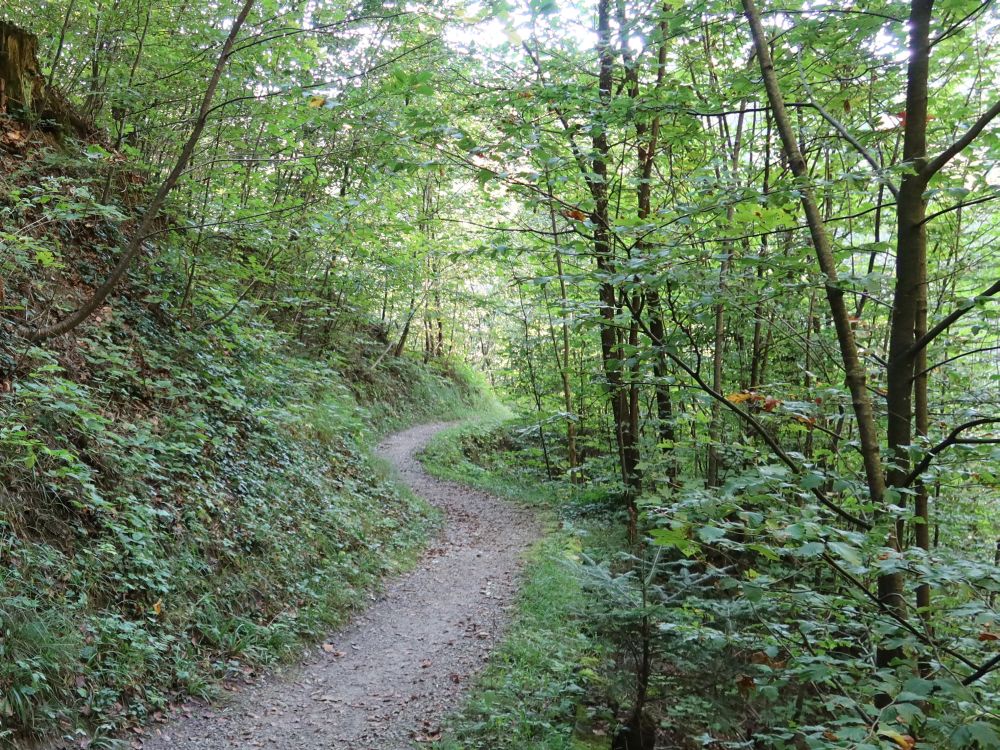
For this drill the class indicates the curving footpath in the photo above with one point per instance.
(387, 679)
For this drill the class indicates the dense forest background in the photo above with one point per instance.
(736, 267)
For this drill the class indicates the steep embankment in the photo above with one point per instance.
(187, 491)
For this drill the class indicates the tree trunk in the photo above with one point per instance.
(23, 90)
(911, 250)
(611, 350)
(853, 367)
(647, 143)
(562, 357)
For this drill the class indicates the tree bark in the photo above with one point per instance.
(611, 349)
(911, 252)
(647, 143)
(22, 84)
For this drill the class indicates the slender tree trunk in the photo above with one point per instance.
(400, 347)
(807, 368)
(439, 333)
(611, 349)
(719, 337)
(121, 115)
(533, 381)
(854, 368)
(562, 358)
(647, 143)
(922, 515)
(62, 40)
(911, 252)
(714, 463)
(91, 101)
(757, 352)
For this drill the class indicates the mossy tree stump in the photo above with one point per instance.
(24, 94)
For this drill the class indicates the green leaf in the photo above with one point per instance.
(980, 732)
(846, 552)
(711, 533)
(669, 537)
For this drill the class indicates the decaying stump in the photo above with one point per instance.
(24, 94)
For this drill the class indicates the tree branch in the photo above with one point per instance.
(844, 132)
(955, 27)
(957, 206)
(934, 166)
(943, 325)
(134, 247)
(757, 427)
(943, 362)
(854, 369)
(952, 439)
(983, 670)
(923, 637)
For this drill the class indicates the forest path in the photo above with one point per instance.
(388, 678)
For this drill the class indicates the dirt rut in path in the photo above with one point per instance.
(386, 680)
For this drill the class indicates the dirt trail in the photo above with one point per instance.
(393, 673)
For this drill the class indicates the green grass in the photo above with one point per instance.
(542, 687)
(405, 391)
(449, 456)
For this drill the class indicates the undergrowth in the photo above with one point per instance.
(720, 673)
(225, 514)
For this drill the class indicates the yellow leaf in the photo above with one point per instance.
(317, 101)
(903, 741)
(158, 607)
(512, 36)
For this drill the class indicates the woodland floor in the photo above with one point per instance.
(387, 680)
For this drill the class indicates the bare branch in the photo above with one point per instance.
(983, 670)
(959, 206)
(922, 636)
(978, 350)
(957, 26)
(844, 132)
